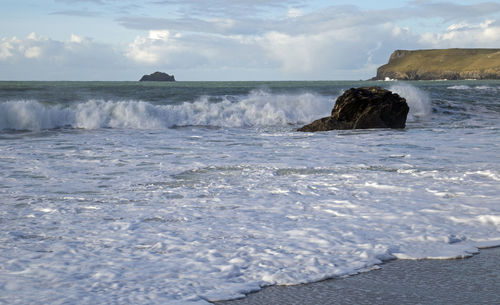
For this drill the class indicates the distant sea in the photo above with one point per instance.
(190, 192)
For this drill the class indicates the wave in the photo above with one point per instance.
(258, 108)
(418, 100)
(467, 87)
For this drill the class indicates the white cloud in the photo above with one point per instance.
(226, 8)
(294, 52)
(159, 35)
(32, 36)
(76, 39)
(5, 48)
(294, 13)
(457, 27)
(38, 57)
(30, 48)
(465, 35)
(308, 54)
(33, 52)
(158, 48)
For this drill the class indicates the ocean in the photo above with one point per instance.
(191, 192)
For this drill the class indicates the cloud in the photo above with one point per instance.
(83, 1)
(30, 48)
(6, 46)
(80, 8)
(213, 25)
(322, 55)
(464, 35)
(294, 21)
(194, 51)
(38, 57)
(232, 9)
(158, 47)
(294, 13)
(450, 12)
(77, 13)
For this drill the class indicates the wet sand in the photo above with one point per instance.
(474, 280)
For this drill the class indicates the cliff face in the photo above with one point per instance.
(442, 64)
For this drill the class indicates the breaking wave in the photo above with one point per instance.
(418, 100)
(467, 87)
(259, 108)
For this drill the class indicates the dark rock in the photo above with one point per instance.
(361, 108)
(158, 77)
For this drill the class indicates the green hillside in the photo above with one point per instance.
(442, 64)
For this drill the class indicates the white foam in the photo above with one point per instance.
(259, 108)
(484, 88)
(460, 87)
(418, 101)
(490, 219)
(468, 87)
(486, 173)
(32, 115)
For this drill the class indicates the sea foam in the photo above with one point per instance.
(418, 101)
(32, 115)
(467, 87)
(259, 108)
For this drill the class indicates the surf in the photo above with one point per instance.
(259, 108)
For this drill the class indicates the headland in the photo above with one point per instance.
(437, 64)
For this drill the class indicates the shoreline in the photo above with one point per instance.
(470, 280)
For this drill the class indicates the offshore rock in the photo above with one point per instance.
(158, 77)
(362, 108)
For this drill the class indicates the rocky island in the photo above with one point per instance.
(158, 77)
(452, 64)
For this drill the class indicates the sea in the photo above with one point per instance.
(193, 192)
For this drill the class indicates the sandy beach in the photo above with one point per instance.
(474, 280)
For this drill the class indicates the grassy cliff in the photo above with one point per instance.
(442, 64)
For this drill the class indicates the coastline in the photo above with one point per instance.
(471, 280)
(431, 64)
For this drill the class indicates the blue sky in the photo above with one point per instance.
(230, 39)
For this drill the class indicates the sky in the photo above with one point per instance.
(239, 40)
